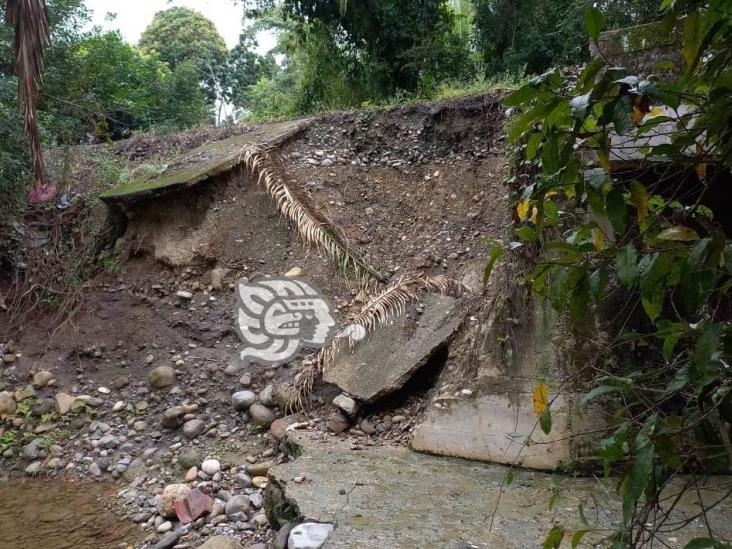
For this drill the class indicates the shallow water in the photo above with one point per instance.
(36, 514)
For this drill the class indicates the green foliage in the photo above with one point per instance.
(538, 34)
(366, 54)
(649, 248)
(181, 35)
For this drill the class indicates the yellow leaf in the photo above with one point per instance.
(639, 198)
(598, 239)
(679, 234)
(522, 209)
(604, 158)
(534, 214)
(541, 398)
(655, 111)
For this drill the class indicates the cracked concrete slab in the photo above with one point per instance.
(393, 497)
(387, 360)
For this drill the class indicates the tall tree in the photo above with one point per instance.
(28, 18)
(180, 35)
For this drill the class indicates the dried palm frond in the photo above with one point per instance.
(29, 20)
(314, 228)
(389, 303)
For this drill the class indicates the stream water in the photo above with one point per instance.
(36, 514)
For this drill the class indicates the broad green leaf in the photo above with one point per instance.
(579, 106)
(527, 233)
(626, 262)
(622, 114)
(577, 537)
(617, 211)
(678, 233)
(545, 421)
(522, 95)
(550, 156)
(532, 145)
(594, 22)
(554, 538)
(653, 284)
(493, 256)
(599, 391)
(639, 198)
(637, 478)
(693, 36)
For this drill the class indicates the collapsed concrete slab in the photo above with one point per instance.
(497, 421)
(202, 163)
(385, 361)
(392, 497)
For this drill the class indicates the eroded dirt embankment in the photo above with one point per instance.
(416, 188)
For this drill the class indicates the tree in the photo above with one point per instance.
(534, 35)
(245, 67)
(381, 45)
(180, 35)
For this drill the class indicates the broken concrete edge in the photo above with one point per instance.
(281, 511)
(190, 176)
(444, 319)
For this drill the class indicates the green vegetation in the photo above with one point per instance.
(640, 249)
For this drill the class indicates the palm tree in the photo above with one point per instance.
(29, 20)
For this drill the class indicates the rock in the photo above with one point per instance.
(168, 540)
(172, 417)
(166, 526)
(294, 272)
(64, 402)
(161, 377)
(237, 504)
(192, 474)
(217, 277)
(34, 468)
(121, 382)
(309, 535)
(7, 404)
(183, 294)
(257, 500)
(260, 482)
(245, 380)
(242, 400)
(346, 403)
(35, 449)
(284, 397)
(193, 428)
(259, 469)
(261, 415)
(190, 457)
(171, 494)
(108, 441)
(280, 541)
(338, 422)
(221, 542)
(211, 466)
(55, 463)
(242, 480)
(94, 470)
(279, 426)
(137, 518)
(22, 393)
(383, 363)
(41, 379)
(266, 397)
(367, 427)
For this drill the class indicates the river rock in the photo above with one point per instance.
(172, 417)
(35, 448)
(211, 466)
(278, 429)
(346, 403)
(34, 468)
(41, 379)
(22, 393)
(221, 542)
(190, 457)
(242, 400)
(7, 404)
(161, 377)
(309, 535)
(338, 422)
(266, 397)
(171, 494)
(261, 415)
(64, 402)
(193, 428)
(237, 504)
